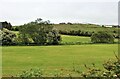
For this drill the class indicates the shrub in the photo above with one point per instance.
(22, 39)
(112, 70)
(31, 73)
(113, 67)
(92, 72)
(7, 37)
(102, 37)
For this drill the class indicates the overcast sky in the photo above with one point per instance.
(19, 12)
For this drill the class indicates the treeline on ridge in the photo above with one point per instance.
(41, 32)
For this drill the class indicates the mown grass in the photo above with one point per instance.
(19, 58)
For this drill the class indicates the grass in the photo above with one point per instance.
(69, 39)
(85, 27)
(82, 39)
(52, 58)
(19, 58)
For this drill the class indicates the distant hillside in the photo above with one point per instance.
(85, 27)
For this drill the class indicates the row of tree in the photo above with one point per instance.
(76, 33)
(37, 32)
(41, 32)
(44, 37)
(83, 33)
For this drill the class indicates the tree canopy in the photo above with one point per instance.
(102, 37)
(39, 32)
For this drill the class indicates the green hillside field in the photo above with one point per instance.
(85, 27)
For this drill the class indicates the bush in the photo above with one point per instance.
(102, 37)
(7, 37)
(113, 67)
(22, 39)
(31, 73)
(112, 70)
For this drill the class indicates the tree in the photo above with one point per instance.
(39, 31)
(6, 25)
(102, 37)
(54, 37)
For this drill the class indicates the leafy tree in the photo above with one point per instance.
(54, 37)
(7, 37)
(102, 37)
(6, 25)
(22, 39)
(40, 32)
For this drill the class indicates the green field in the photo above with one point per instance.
(51, 58)
(85, 27)
(81, 39)
(72, 53)
(60, 57)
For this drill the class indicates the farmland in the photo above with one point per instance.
(84, 27)
(19, 58)
(72, 52)
(82, 39)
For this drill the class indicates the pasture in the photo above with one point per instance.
(52, 58)
(55, 58)
(85, 27)
(81, 39)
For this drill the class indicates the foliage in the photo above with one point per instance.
(7, 37)
(54, 37)
(76, 33)
(112, 70)
(31, 73)
(15, 28)
(6, 25)
(22, 39)
(40, 32)
(90, 28)
(102, 37)
(92, 72)
(113, 67)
